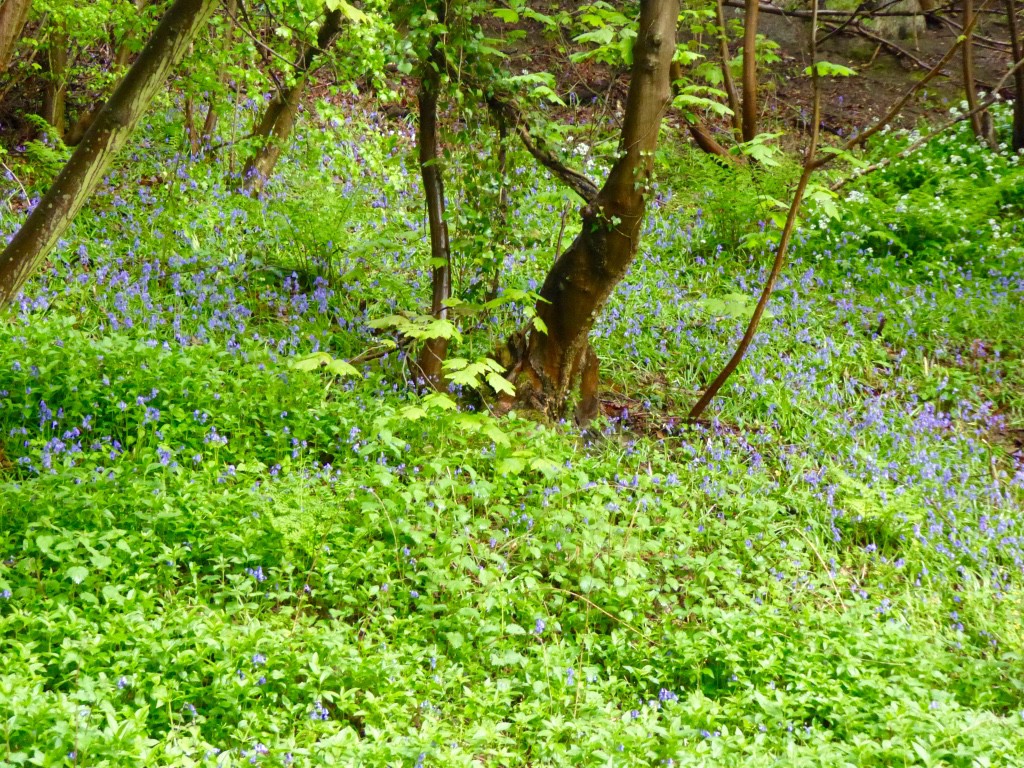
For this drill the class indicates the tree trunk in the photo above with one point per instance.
(105, 137)
(584, 276)
(1017, 140)
(124, 50)
(191, 131)
(750, 70)
(13, 15)
(727, 81)
(434, 350)
(276, 125)
(210, 123)
(981, 122)
(56, 79)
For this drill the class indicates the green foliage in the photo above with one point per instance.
(221, 545)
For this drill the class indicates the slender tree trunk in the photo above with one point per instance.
(750, 70)
(13, 15)
(981, 122)
(276, 125)
(435, 350)
(191, 131)
(124, 50)
(106, 136)
(1017, 141)
(56, 81)
(210, 123)
(584, 276)
(727, 81)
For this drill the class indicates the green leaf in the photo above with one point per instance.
(506, 14)
(342, 368)
(828, 69)
(500, 384)
(77, 573)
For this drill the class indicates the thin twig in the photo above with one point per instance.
(987, 102)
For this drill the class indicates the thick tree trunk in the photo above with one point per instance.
(56, 79)
(435, 350)
(727, 81)
(1017, 45)
(13, 15)
(584, 276)
(276, 125)
(750, 70)
(105, 137)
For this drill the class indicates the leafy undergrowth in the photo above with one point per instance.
(212, 557)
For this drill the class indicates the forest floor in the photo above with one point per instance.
(220, 546)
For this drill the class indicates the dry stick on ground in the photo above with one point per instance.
(889, 45)
(862, 11)
(826, 14)
(811, 164)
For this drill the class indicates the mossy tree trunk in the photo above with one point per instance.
(434, 351)
(106, 136)
(583, 277)
(13, 15)
(277, 122)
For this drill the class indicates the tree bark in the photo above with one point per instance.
(750, 70)
(981, 121)
(584, 276)
(508, 111)
(279, 119)
(56, 79)
(124, 50)
(210, 123)
(434, 350)
(1017, 139)
(727, 81)
(13, 15)
(106, 136)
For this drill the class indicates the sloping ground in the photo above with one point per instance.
(211, 557)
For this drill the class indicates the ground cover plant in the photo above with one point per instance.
(217, 552)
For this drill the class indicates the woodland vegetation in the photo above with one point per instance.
(507, 383)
